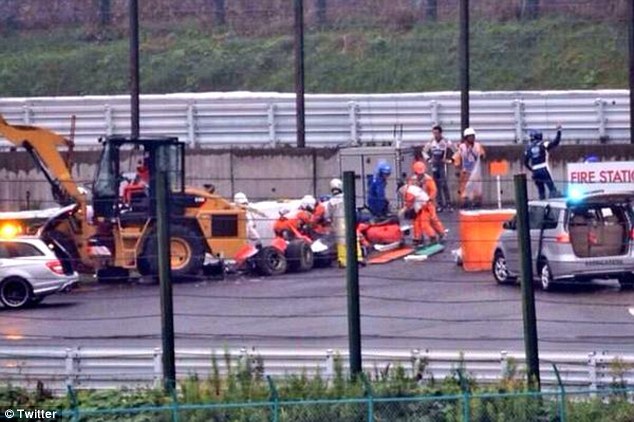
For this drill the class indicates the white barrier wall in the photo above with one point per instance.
(271, 174)
(268, 119)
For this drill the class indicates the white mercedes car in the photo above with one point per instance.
(30, 270)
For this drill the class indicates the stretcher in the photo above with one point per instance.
(421, 254)
(391, 255)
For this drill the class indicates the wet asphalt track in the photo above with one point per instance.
(428, 305)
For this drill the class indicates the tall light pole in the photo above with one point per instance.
(463, 59)
(299, 73)
(134, 68)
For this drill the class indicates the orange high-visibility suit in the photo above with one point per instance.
(319, 221)
(431, 222)
(415, 198)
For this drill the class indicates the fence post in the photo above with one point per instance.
(352, 275)
(592, 372)
(330, 365)
(73, 403)
(191, 124)
(26, 114)
(369, 394)
(165, 278)
(157, 358)
(72, 366)
(504, 363)
(531, 342)
(415, 361)
(353, 115)
(232, 179)
(519, 120)
(109, 124)
(175, 410)
(562, 391)
(274, 398)
(466, 407)
(270, 115)
(434, 112)
(244, 357)
(600, 103)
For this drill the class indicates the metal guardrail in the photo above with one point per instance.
(267, 119)
(103, 368)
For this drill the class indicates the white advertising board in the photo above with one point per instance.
(584, 177)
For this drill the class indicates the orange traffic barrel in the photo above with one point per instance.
(479, 232)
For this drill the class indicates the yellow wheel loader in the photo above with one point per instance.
(112, 231)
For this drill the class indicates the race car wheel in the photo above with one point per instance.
(299, 256)
(270, 261)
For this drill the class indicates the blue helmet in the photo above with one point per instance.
(383, 168)
(591, 159)
(535, 135)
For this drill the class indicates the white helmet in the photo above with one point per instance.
(468, 132)
(284, 210)
(308, 202)
(336, 184)
(240, 199)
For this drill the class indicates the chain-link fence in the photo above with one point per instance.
(464, 407)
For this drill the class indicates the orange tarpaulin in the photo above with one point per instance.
(479, 232)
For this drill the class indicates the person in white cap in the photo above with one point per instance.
(468, 161)
(241, 200)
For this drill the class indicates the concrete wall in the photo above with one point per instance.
(272, 174)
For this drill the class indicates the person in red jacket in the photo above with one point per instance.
(137, 185)
(319, 222)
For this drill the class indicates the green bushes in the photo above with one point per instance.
(394, 394)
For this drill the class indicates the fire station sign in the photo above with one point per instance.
(601, 176)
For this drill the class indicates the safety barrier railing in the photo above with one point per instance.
(268, 119)
(106, 368)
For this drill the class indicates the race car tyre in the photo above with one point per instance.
(187, 253)
(299, 256)
(270, 261)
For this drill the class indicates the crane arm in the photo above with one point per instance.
(43, 145)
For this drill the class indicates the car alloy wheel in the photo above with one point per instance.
(546, 277)
(15, 293)
(500, 270)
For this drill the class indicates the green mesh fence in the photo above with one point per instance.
(608, 405)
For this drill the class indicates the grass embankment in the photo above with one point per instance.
(546, 54)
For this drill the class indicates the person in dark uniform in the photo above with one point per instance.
(536, 160)
(439, 152)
